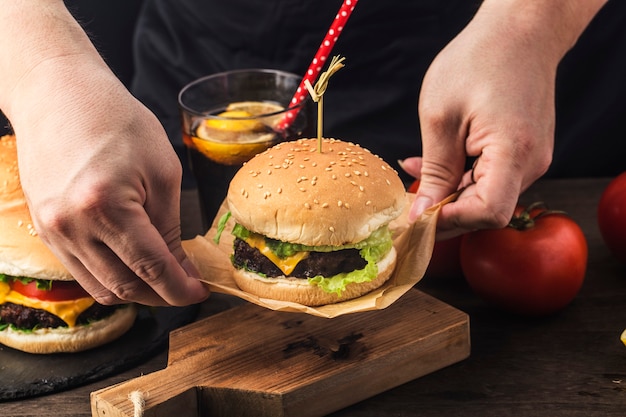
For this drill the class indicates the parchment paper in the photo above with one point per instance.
(413, 241)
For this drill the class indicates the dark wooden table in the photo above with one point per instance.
(570, 364)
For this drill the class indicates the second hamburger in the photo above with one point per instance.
(311, 222)
(42, 308)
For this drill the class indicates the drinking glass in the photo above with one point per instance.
(229, 117)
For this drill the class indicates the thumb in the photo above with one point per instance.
(441, 173)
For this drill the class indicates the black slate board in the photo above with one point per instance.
(24, 375)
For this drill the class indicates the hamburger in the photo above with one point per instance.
(42, 308)
(311, 222)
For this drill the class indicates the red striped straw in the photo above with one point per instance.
(318, 61)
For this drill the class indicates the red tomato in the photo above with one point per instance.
(612, 216)
(414, 186)
(446, 259)
(61, 290)
(535, 266)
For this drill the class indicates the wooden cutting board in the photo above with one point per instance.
(251, 361)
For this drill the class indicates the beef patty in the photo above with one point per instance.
(325, 264)
(30, 318)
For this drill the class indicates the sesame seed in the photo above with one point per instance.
(368, 203)
(339, 203)
(347, 174)
(307, 206)
(259, 185)
(279, 191)
(267, 195)
(357, 173)
(331, 229)
(325, 205)
(334, 177)
(302, 189)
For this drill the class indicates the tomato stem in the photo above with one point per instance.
(526, 218)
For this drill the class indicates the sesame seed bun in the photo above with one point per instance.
(22, 252)
(294, 193)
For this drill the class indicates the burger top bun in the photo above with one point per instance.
(294, 193)
(22, 252)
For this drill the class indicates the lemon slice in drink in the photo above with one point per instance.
(230, 153)
(255, 108)
(235, 121)
(258, 108)
(232, 139)
(623, 337)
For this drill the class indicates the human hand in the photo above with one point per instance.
(99, 173)
(490, 95)
(103, 187)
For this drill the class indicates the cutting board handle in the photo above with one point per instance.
(162, 393)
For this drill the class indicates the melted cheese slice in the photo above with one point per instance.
(287, 265)
(68, 310)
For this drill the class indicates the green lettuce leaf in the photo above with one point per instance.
(221, 224)
(372, 254)
(42, 284)
(286, 249)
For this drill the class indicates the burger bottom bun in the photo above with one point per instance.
(298, 290)
(72, 339)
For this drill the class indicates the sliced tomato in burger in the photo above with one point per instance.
(49, 290)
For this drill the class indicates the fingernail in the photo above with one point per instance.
(418, 207)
